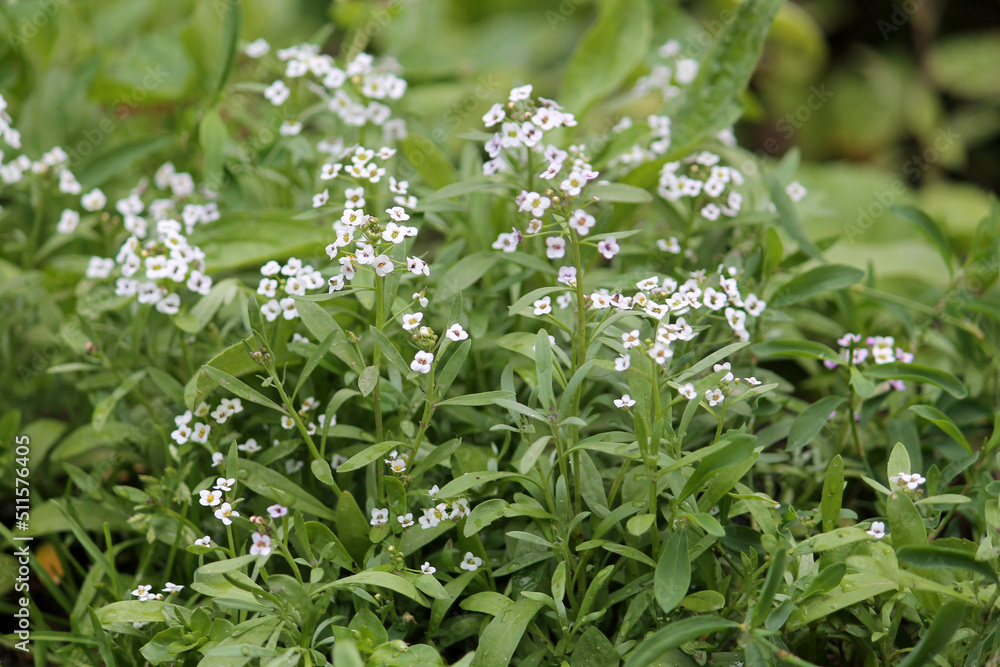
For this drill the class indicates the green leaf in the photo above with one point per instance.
(322, 325)
(917, 373)
(133, 611)
(470, 479)
(702, 602)
(387, 580)
(464, 273)
(811, 421)
(464, 187)
(485, 398)
(946, 622)
(934, 557)
(103, 409)
(862, 386)
(672, 577)
(788, 218)
(367, 380)
(930, 229)
(826, 580)
(899, 461)
(116, 160)
(499, 640)
(240, 388)
(276, 486)
(390, 351)
(532, 296)
(905, 523)
(815, 281)
(943, 422)
(773, 581)
(369, 454)
(231, 35)
(484, 514)
(212, 136)
(795, 348)
(709, 104)
(352, 527)
(428, 159)
(651, 649)
(738, 448)
(619, 192)
(833, 493)
(830, 540)
(607, 53)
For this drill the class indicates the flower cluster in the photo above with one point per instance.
(10, 136)
(668, 77)
(523, 123)
(911, 481)
(281, 282)
(355, 91)
(145, 591)
(880, 349)
(705, 182)
(432, 516)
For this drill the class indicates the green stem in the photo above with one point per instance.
(377, 358)
(290, 408)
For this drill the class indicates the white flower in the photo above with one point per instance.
(251, 446)
(543, 306)
(277, 511)
(422, 362)
(660, 353)
(412, 320)
(556, 247)
(433, 515)
(143, 592)
(397, 213)
(99, 268)
(608, 247)
(287, 422)
(182, 434)
(68, 222)
(199, 432)
(752, 381)
(261, 545)
(321, 198)
(397, 465)
(210, 498)
(714, 396)
(406, 520)
(625, 401)
(456, 333)
(287, 308)
(383, 265)
(687, 391)
(93, 200)
(622, 362)
(520, 93)
(877, 530)
(724, 367)
(418, 267)
(581, 221)
(218, 459)
(225, 514)
(257, 48)
(379, 516)
(427, 568)
(204, 541)
(471, 562)
(223, 484)
(495, 115)
(796, 192)
(292, 466)
(172, 588)
(277, 93)
(567, 275)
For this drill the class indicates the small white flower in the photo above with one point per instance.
(172, 588)
(397, 213)
(218, 459)
(411, 320)
(543, 306)
(397, 465)
(796, 192)
(225, 485)
(555, 247)
(287, 423)
(261, 545)
(608, 247)
(251, 446)
(204, 541)
(277, 511)
(406, 520)
(225, 514)
(456, 333)
(199, 432)
(210, 498)
(383, 265)
(422, 362)
(877, 530)
(143, 592)
(630, 339)
(622, 362)
(427, 568)
(581, 221)
(520, 93)
(714, 396)
(93, 200)
(471, 562)
(321, 198)
(625, 401)
(688, 391)
(752, 381)
(379, 516)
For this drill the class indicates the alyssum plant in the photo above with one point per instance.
(576, 446)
